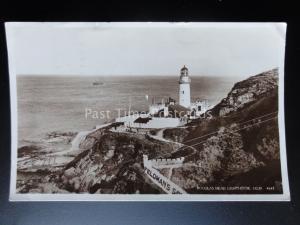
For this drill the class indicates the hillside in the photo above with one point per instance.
(243, 140)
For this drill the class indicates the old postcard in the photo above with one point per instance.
(147, 111)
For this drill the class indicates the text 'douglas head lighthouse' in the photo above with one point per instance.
(184, 88)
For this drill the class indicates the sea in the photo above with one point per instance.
(77, 103)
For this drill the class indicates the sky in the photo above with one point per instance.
(108, 49)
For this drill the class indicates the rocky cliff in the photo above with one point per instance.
(248, 91)
(238, 146)
(243, 138)
(113, 165)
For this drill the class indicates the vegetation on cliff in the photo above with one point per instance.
(244, 138)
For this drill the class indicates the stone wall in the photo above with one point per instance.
(160, 163)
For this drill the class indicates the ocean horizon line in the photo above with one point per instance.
(119, 76)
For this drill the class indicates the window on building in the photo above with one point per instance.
(199, 107)
(182, 92)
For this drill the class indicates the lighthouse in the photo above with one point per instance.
(184, 88)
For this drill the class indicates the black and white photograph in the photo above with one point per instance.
(147, 111)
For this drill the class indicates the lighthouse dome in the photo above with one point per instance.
(184, 75)
(184, 68)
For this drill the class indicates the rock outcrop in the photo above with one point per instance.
(112, 165)
(248, 91)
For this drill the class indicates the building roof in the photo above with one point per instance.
(142, 120)
(178, 111)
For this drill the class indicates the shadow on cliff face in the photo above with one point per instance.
(113, 165)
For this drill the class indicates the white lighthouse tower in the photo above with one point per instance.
(184, 88)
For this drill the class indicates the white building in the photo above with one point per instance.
(168, 113)
(184, 88)
(199, 107)
(147, 121)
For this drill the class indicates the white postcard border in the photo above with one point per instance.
(143, 197)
